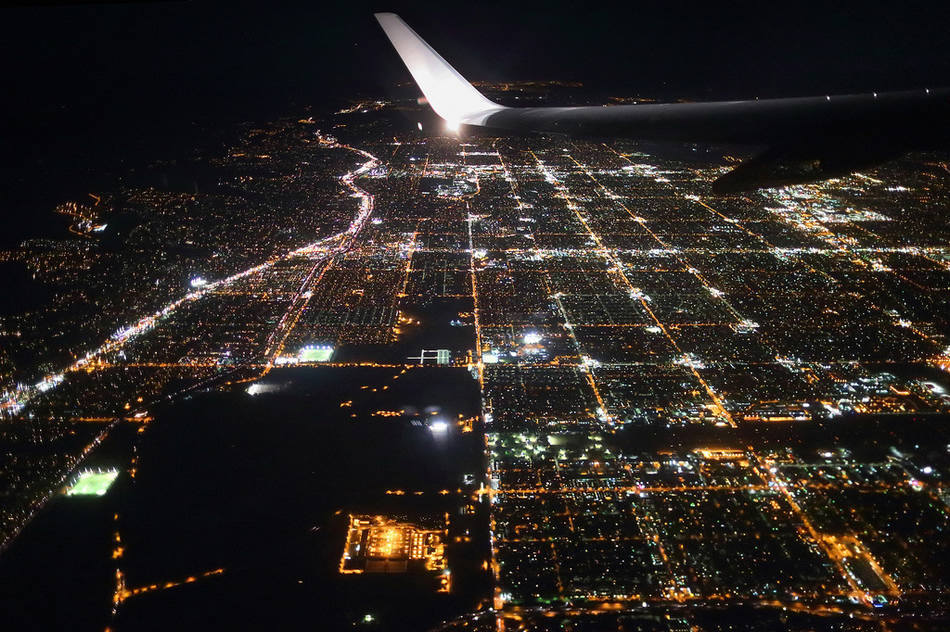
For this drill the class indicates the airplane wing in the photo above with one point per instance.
(801, 139)
(450, 95)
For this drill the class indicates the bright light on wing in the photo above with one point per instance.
(450, 95)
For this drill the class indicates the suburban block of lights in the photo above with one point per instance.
(667, 379)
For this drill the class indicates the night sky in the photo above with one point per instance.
(111, 78)
(231, 55)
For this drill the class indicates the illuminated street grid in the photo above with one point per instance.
(228, 322)
(607, 292)
(611, 293)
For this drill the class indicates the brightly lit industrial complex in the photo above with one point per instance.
(376, 544)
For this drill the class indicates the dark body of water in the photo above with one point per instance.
(253, 485)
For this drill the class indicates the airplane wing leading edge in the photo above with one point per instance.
(450, 95)
(800, 139)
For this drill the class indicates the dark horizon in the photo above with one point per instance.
(94, 84)
(178, 58)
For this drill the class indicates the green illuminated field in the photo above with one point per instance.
(315, 354)
(92, 483)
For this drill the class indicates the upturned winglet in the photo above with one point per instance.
(450, 95)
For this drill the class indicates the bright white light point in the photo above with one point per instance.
(198, 282)
(438, 426)
(532, 338)
(419, 125)
(254, 389)
(452, 126)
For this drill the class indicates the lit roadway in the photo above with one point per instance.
(321, 251)
(14, 401)
(319, 255)
(674, 594)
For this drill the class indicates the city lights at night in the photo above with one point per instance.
(400, 351)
